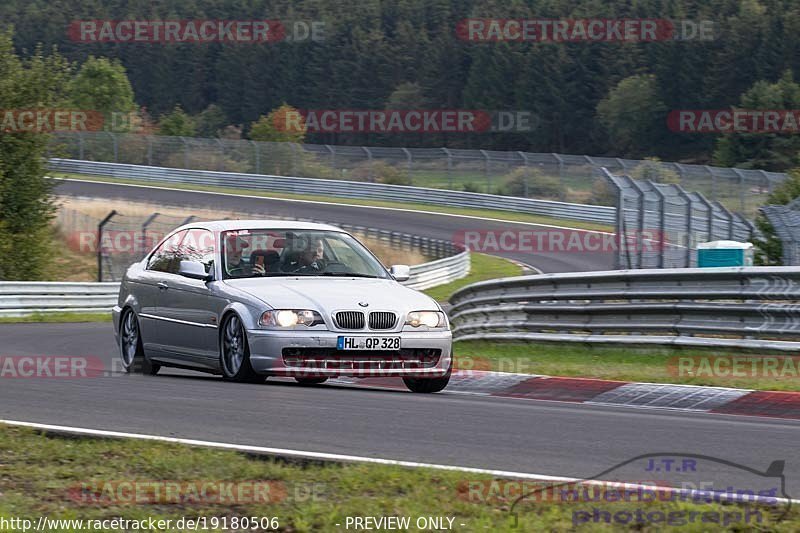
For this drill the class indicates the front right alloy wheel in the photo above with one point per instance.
(235, 353)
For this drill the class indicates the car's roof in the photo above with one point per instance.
(234, 225)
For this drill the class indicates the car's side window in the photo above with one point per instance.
(167, 257)
(199, 245)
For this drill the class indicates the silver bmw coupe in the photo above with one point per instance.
(259, 298)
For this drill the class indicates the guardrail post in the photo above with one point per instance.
(713, 182)
(689, 216)
(370, 176)
(295, 149)
(662, 204)
(256, 156)
(333, 156)
(486, 171)
(741, 188)
(115, 146)
(145, 225)
(409, 163)
(100, 227)
(449, 168)
(185, 152)
(221, 164)
(527, 173)
(561, 187)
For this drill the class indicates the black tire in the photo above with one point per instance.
(311, 380)
(234, 353)
(134, 358)
(428, 385)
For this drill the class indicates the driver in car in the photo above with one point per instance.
(309, 260)
(234, 264)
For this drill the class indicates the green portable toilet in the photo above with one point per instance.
(724, 254)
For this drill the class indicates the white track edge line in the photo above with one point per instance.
(347, 458)
(279, 451)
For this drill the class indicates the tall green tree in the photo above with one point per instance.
(283, 124)
(26, 203)
(767, 151)
(634, 115)
(177, 124)
(102, 85)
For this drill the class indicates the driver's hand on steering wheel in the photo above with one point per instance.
(317, 265)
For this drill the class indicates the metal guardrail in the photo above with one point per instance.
(744, 307)
(439, 272)
(341, 188)
(563, 177)
(19, 298)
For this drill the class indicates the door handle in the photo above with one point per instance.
(162, 286)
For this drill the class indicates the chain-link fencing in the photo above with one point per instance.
(785, 220)
(660, 225)
(550, 176)
(120, 239)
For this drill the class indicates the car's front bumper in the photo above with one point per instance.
(267, 354)
(115, 317)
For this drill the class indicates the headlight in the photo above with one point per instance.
(288, 318)
(432, 319)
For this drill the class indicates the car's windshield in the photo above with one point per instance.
(293, 252)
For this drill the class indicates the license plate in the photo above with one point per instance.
(368, 343)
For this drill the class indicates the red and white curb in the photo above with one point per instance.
(613, 393)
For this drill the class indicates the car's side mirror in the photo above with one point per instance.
(194, 270)
(400, 272)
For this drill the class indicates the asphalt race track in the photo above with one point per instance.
(428, 225)
(527, 436)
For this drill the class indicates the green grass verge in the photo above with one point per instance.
(481, 213)
(40, 475)
(482, 267)
(626, 363)
(57, 318)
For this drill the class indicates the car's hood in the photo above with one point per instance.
(327, 294)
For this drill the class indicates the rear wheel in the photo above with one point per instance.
(428, 385)
(235, 353)
(134, 360)
(311, 381)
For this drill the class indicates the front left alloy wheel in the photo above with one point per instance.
(134, 360)
(235, 353)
